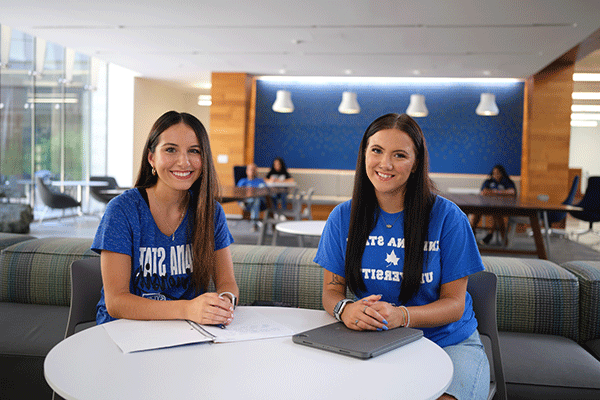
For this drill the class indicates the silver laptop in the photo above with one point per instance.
(360, 344)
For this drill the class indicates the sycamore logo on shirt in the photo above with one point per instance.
(391, 258)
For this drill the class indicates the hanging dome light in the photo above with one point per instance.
(349, 105)
(487, 106)
(417, 107)
(283, 102)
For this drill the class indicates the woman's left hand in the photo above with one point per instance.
(393, 315)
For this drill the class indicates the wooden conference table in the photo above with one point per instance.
(510, 206)
(89, 365)
(231, 193)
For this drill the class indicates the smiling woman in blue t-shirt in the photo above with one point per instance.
(405, 253)
(167, 238)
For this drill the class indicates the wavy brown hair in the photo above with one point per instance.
(419, 197)
(204, 193)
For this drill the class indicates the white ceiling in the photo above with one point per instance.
(184, 41)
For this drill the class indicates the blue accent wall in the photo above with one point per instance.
(316, 135)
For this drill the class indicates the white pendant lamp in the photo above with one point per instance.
(349, 104)
(487, 105)
(283, 102)
(417, 107)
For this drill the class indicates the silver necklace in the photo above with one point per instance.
(165, 219)
(392, 224)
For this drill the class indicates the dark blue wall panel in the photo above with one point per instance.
(316, 135)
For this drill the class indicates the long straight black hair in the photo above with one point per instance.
(205, 192)
(419, 197)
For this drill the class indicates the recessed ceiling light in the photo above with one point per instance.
(586, 95)
(586, 77)
(203, 85)
(348, 72)
(584, 108)
(585, 116)
(586, 124)
(205, 100)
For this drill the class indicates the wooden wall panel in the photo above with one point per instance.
(547, 131)
(229, 112)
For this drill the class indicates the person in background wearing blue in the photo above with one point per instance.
(405, 253)
(279, 174)
(167, 238)
(254, 204)
(498, 184)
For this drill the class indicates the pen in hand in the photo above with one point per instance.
(222, 326)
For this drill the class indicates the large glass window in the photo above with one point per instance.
(16, 112)
(47, 94)
(48, 109)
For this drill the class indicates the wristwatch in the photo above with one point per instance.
(339, 308)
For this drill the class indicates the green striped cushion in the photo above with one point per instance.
(8, 239)
(588, 273)
(535, 296)
(37, 271)
(278, 274)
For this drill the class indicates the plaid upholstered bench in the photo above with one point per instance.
(8, 239)
(588, 274)
(540, 319)
(35, 293)
(548, 315)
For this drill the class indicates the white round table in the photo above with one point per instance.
(301, 228)
(89, 365)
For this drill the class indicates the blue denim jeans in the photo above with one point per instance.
(471, 379)
(253, 205)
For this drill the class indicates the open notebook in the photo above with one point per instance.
(338, 338)
(248, 324)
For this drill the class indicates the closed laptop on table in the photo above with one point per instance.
(338, 338)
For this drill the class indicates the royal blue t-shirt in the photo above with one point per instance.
(161, 266)
(504, 184)
(255, 183)
(451, 254)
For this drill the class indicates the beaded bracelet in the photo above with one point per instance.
(406, 316)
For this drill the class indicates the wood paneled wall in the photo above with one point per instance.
(231, 125)
(547, 130)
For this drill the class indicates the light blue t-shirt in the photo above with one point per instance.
(451, 254)
(255, 183)
(161, 267)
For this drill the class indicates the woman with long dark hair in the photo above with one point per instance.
(279, 174)
(405, 253)
(167, 238)
(498, 184)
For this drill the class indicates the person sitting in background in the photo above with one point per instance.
(279, 174)
(498, 184)
(254, 204)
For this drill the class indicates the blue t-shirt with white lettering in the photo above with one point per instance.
(161, 264)
(451, 254)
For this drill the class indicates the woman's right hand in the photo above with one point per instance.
(360, 316)
(210, 309)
